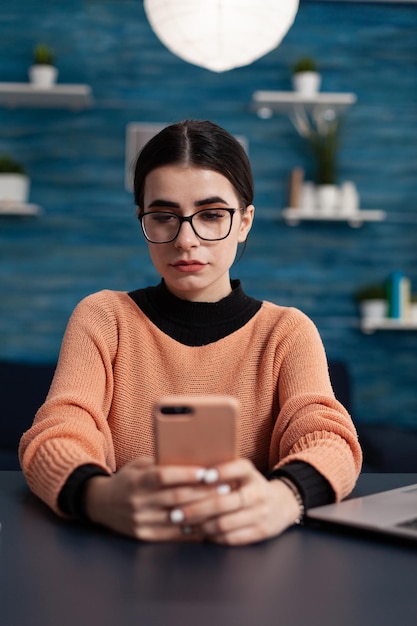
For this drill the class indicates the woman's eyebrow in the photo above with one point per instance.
(210, 200)
(164, 203)
(160, 202)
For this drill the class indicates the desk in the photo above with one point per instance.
(56, 573)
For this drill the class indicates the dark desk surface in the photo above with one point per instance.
(55, 573)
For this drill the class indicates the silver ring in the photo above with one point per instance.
(176, 516)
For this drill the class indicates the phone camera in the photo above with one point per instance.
(176, 410)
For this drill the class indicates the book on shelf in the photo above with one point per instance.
(399, 296)
(295, 187)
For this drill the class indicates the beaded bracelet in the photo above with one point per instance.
(297, 496)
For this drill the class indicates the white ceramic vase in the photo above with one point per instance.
(43, 76)
(308, 198)
(375, 310)
(327, 198)
(349, 198)
(306, 83)
(14, 189)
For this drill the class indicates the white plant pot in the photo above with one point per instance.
(328, 199)
(308, 198)
(14, 189)
(43, 76)
(349, 199)
(306, 83)
(374, 309)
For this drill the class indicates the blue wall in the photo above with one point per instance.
(88, 238)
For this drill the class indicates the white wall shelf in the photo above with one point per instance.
(19, 210)
(294, 216)
(369, 326)
(266, 103)
(59, 96)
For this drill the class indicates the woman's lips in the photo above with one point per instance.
(188, 266)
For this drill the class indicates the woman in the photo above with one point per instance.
(89, 453)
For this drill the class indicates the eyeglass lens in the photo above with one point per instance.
(209, 224)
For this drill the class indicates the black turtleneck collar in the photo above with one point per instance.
(196, 323)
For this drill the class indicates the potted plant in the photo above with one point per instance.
(324, 143)
(373, 302)
(14, 182)
(43, 72)
(306, 78)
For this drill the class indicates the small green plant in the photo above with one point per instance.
(371, 292)
(324, 144)
(10, 166)
(305, 64)
(43, 55)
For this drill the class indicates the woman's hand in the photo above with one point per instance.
(140, 498)
(253, 510)
(231, 504)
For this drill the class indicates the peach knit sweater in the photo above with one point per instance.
(115, 362)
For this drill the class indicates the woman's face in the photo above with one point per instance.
(194, 269)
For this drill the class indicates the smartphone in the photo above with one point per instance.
(196, 430)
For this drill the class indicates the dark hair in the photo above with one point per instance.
(201, 144)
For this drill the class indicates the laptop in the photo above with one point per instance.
(392, 512)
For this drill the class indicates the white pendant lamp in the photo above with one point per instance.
(221, 34)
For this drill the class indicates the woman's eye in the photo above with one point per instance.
(163, 218)
(212, 215)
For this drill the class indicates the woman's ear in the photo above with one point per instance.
(246, 222)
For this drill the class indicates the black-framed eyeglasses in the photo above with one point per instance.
(208, 224)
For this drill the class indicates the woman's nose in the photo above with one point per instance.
(186, 237)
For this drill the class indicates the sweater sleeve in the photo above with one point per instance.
(314, 489)
(312, 427)
(70, 429)
(71, 497)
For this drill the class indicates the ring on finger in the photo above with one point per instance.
(176, 516)
(187, 530)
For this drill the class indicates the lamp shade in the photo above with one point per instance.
(220, 34)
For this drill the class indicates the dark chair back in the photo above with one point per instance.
(23, 388)
(340, 379)
(385, 447)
